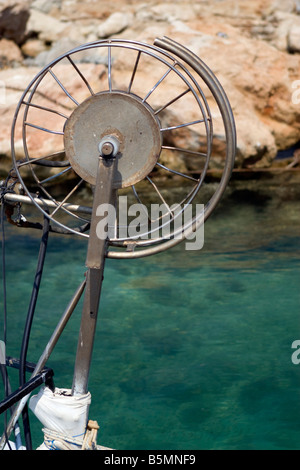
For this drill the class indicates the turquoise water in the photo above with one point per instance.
(193, 348)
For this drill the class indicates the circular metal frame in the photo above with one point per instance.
(177, 60)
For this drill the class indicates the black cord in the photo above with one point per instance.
(28, 325)
(3, 273)
(3, 366)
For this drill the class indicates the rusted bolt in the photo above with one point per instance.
(109, 146)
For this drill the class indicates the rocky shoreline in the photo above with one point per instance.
(253, 47)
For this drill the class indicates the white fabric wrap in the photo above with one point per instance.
(63, 414)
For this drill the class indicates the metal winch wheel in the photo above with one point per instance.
(156, 109)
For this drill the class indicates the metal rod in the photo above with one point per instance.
(172, 101)
(43, 359)
(60, 327)
(176, 172)
(55, 176)
(134, 71)
(44, 108)
(12, 197)
(160, 195)
(96, 254)
(140, 202)
(183, 125)
(158, 83)
(62, 87)
(81, 75)
(40, 128)
(66, 198)
(109, 68)
(191, 152)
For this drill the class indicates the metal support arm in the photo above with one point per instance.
(96, 255)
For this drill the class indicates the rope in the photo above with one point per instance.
(90, 438)
(56, 441)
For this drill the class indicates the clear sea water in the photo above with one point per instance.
(193, 348)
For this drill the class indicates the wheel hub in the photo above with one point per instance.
(98, 122)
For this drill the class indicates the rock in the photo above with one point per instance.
(258, 82)
(290, 6)
(168, 12)
(10, 53)
(284, 26)
(45, 6)
(116, 23)
(252, 47)
(62, 46)
(13, 81)
(47, 28)
(13, 20)
(56, 50)
(33, 47)
(294, 38)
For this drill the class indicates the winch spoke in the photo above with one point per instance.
(171, 128)
(177, 172)
(109, 69)
(172, 101)
(62, 87)
(160, 196)
(66, 198)
(81, 75)
(182, 150)
(157, 84)
(134, 71)
(44, 129)
(44, 108)
(50, 178)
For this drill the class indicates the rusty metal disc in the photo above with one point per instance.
(123, 116)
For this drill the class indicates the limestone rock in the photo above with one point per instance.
(13, 20)
(57, 49)
(258, 81)
(116, 23)
(45, 6)
(10, 53)
(285, 26)
(33, 47)
(62, 46)
(294, 38)
(252, 47)
(46, 27)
